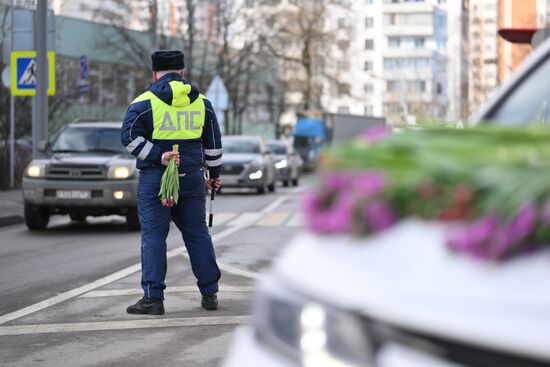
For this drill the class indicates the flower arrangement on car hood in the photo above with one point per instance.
(491, 185)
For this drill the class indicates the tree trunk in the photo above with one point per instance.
(191, 36)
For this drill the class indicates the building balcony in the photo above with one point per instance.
(408, 74)
(398, 96)
(410, 7)
(407, 52)
(425, 30)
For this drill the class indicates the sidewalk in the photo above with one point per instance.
(11, 207)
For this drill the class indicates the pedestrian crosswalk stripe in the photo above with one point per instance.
(245, 219)
(180, 289)
(270, 219)
(221, 218)
(273, 219)
(296, 220)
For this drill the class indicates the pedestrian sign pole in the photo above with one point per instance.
(24, 73)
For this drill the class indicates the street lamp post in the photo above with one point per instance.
(40, 127)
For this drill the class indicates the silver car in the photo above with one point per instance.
(288, 163)
(86, 172)
(247, 162)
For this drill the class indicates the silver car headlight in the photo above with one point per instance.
(120, 172)
(311, 333)
(281, 164)
(35, 170)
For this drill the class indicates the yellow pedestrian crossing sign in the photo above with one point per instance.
(23, 73)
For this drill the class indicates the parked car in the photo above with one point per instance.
(248, 162)
(86, 172)
(288, 163)
(525, 98)
(447, 311)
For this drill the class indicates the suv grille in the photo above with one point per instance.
(76, 172)
(232, 169)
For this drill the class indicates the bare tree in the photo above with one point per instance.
(302, 38)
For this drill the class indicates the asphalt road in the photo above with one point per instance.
(65, 290)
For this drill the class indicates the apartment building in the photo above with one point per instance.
(398, 61)
(515, 14)
(483, 50)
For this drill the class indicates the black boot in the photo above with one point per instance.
(147, 306)
(210, 302)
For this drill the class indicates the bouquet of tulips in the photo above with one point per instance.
(489, 185)
(170, 183)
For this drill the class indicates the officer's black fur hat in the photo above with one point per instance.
(167, 60)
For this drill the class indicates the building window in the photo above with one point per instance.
(416, 86)
(419, 42)
(369, 88)
(393, 85)
(343, 109)
(342, 23)
(369, 111)
(344, 88)
(368, 65)
(440, 21)
(369, 22)
(394, 42)
(389, 19)
(343, 65)
(369, 44)
(249, 3)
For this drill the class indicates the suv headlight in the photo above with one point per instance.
(312, 333)
(119, 172)
(281, 164)
(35, 170)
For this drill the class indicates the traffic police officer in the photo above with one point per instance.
(172, 111)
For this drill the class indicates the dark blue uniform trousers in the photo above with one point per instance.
(189, 215)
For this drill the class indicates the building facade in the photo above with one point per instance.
(398, 61)
(515, 14)
(483, 51)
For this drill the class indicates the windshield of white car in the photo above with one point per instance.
(241, 146)
(278, 149)
(88, 140)
(528, 103)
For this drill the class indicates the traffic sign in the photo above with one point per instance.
(217, 94)
(84, 81)
(6, 76)
(23, 73)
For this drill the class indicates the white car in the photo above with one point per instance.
(401, 299)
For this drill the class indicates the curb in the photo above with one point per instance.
(11, 220)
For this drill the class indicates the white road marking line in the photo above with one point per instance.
(124, 273)
(70, 294)
(221, 218)
(98, 283)
(245, 220)
(296, 221)
(273, 219)
(124, 325)
(274, 204)
(185, 288)
(241, 272)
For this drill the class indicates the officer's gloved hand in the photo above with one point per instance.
(166, 156)
(215, 182)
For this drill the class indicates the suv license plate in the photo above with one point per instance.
(72, 194)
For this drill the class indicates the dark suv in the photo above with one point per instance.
(86, 172)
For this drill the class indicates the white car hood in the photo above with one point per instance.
(408, 277)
